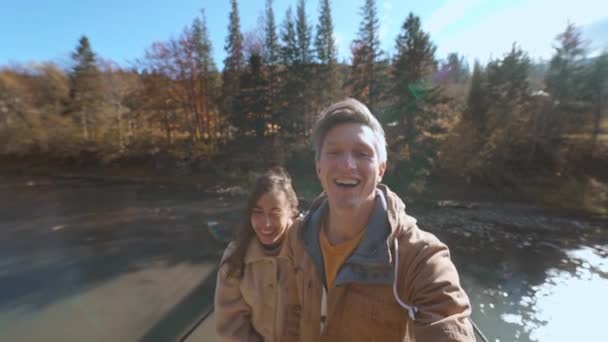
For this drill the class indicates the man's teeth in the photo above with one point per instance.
(347, 182)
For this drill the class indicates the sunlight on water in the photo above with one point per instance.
(570, 306)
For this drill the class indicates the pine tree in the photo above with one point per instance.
(304, 35)
(252, 97)
(364, 78)
(597, 89)
(565, 69)
(233, 64)
(457, 68)
(507, 83)
(85, 86)
(327, 70)
(476, 101)
(292, 119)
(289, 46)
(413, 67)
(205, 78)
(272, 51)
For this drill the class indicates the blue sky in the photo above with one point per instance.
(121, 30)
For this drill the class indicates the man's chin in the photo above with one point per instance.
(342, 203)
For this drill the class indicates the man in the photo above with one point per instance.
(365, 271)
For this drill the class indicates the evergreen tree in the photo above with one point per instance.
(206, 85)
(565, 69)
(413, 67)
(289, 46)
(272, 51)
(364, 78)
(233, 64)
(84, 102)
(327, 70)
(303, 71)
(271, 40)
(413, 103)
(252, 97)
(292, 119)
(507, 83)
(476, 101)
(457, 68)
(597, 88)
(304, 34)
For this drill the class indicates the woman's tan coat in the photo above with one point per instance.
(263, 304)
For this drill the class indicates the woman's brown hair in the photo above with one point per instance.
(275, 179)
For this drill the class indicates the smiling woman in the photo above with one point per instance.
(255, 298)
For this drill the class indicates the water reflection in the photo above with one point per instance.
(570, 305)
(531, 274)
(567, 306)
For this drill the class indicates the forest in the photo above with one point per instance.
(513, 123)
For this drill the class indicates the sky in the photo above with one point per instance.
(121, 30)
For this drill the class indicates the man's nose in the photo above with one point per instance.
(348, 161)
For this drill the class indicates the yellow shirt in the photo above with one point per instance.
(335, 255)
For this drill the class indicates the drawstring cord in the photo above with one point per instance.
(411, 310)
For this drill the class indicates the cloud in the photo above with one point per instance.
(533, 25)
(450, 12)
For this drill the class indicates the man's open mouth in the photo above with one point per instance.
(346, 183)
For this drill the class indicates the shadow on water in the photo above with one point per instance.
(184, 316)
(59, 239)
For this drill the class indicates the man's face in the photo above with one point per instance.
(348, 166)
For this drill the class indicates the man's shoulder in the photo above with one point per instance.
(416, 241)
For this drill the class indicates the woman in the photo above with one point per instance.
(255, 297)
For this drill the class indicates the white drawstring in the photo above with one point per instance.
(323, 308)
(411, 310)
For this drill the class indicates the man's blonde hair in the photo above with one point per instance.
(345, 112)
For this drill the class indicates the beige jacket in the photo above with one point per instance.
(263, 304)
(377, 296)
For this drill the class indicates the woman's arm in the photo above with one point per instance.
(232, 313)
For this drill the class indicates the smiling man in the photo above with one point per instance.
(365, 271)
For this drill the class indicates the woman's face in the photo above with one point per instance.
(270, 217)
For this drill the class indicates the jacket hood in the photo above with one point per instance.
(399, 221)
(371, 260)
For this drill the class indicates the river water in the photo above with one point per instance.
(124, 261)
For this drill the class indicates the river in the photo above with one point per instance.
(101, 260)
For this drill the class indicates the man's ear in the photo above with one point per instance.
(381, 170)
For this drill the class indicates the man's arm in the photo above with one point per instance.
(434, 288)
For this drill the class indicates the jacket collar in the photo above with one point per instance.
(256, 252)
(370, 262)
